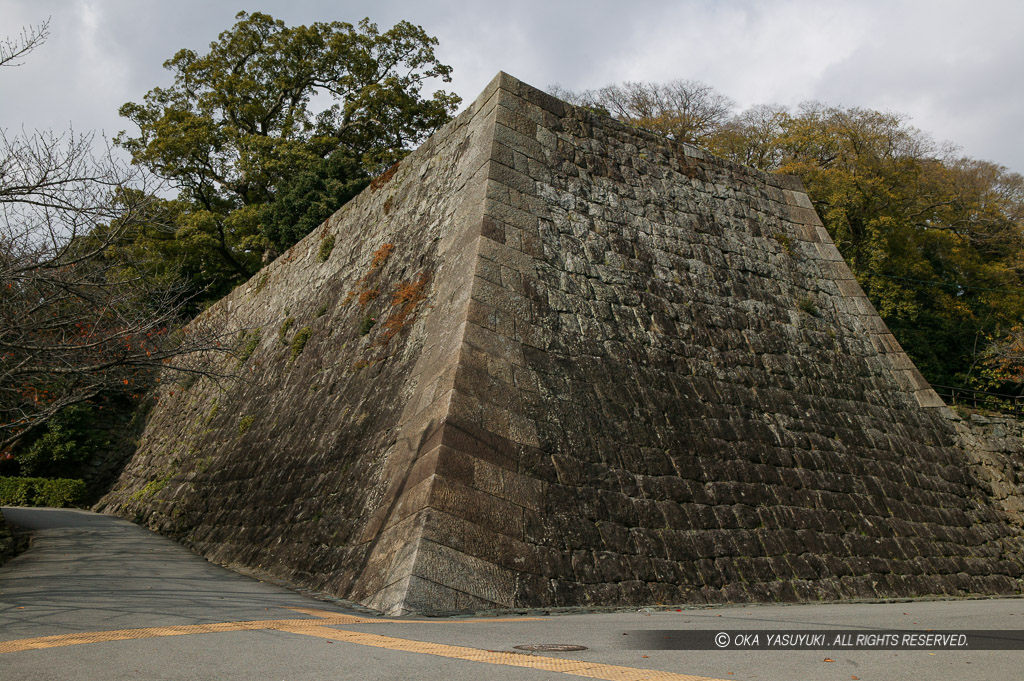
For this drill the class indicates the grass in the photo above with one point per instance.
(282, 333)
(807, 306)
(299, 342)
(245, 423)
(785, 242)
(326, 246)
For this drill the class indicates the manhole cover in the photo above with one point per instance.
(550, 647)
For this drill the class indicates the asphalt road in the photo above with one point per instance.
(96, 597)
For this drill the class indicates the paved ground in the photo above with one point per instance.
(99, 598)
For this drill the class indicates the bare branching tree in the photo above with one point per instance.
(79, 318)
(13, 49)
(752, 137)
(684, 110)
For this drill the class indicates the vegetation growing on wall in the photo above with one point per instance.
(367, 288)
(249, 341)
(299, 342)
(404, 303)
(326, 246)
(282, 331)
(807, 305)
(245, 423)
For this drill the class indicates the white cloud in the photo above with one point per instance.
(954, 72)
(101, 66)
(753, 52)
(953, 67)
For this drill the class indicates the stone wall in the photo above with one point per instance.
(995, 448)
(640, 374)
(702, 403)
(338, 349)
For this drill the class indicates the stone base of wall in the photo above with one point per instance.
(995, 445)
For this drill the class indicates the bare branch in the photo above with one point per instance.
(685, 110)
(13, 49)
(79, 317)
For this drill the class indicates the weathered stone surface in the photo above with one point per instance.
(606, 368)
(995, 449)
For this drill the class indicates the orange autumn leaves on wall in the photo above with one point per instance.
(406, 298)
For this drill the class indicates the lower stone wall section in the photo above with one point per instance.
(995, 445)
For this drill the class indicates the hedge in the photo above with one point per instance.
(56, 492)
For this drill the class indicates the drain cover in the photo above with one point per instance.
(550, 647)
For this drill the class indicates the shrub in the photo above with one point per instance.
(251, 341)
(299, 342)
(56, 492)
(245, 423)
(282, 333)
(368, 296)
(70, 440)
(326, 246)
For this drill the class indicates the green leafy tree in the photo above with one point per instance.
(276, 123)
(307, 198)
(934, 239)
(65, 446)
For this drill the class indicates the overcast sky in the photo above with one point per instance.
(955, 68)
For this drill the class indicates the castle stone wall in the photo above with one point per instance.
(292, 468)
(640, 374)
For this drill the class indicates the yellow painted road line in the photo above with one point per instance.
(160, 632)
(318, 628)
(324, 617)
(591, 670)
